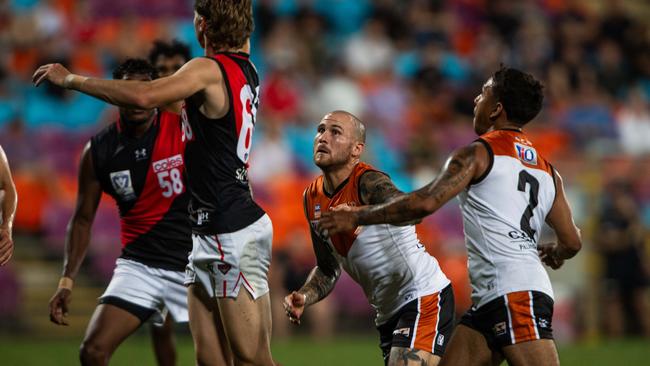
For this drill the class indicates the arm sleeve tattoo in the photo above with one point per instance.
(376, 187)
(456, 175)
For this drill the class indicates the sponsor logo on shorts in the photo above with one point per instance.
(224, 268)
(441, 340)
(121, 181)
(543, 323)
(499, 328)
(403, 332)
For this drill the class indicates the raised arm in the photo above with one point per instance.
(9, 202)
(195, 76)
(569, 241)
(463, 166)
(77, 236)
(319, 283)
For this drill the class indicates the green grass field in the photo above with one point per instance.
(347, 351)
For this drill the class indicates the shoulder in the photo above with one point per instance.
(105, 135)
(313, 189)
(202, 67)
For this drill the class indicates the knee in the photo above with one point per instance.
(92, 353)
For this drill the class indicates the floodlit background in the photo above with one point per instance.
(410, 69)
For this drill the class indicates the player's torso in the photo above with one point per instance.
(218, 151)
(145, 177)
(503, 217)
(389, 262)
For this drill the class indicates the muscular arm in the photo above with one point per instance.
(195, 76)
(9, 202)
(561, 220)
(376, 187)
(464, 165)
(323, 277)
(78, 231)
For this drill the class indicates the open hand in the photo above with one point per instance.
(54, 73)
(59, 306)
(294, 306)
(549, 255)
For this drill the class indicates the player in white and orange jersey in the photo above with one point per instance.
(507, 191)
(410, 293)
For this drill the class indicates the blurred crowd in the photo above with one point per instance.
(410, 70)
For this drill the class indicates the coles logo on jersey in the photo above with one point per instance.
(527, 154)
(122, 184)
(168, 163)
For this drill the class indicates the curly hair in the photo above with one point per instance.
(520, 94)
(229, 23)
(168, 49)
(135, 66)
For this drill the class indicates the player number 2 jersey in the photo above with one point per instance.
(389, 262)
(503, 215)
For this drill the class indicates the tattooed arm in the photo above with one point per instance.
(376, 187)
(463, 166)
(319, 283)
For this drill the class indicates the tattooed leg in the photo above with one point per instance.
(400, 356)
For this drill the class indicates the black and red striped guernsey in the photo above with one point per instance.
(218, 150)
(146, 177)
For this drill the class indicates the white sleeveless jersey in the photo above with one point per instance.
(503, 215)
(389, 262)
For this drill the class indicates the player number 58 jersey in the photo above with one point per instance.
(503, 215)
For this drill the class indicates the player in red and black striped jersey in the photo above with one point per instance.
(139, 162)
(232, 235)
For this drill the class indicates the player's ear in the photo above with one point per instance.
(496, 112)
(358, 149)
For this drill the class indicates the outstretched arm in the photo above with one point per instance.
(464, 165)
(560, 219)
(77, 236)
(194, 76)
(9, 202)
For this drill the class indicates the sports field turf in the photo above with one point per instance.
(347, 351)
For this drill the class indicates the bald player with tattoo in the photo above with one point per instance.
(507, 191)
(404, 284)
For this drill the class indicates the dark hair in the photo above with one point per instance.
(168, 49)
(520, 94)
(135, 66)
(229, 23)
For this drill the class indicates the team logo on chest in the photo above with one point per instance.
(140, 154)
(122, 184)
(527, 154)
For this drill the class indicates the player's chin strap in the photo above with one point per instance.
(66, 283)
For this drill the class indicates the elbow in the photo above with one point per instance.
(143, 101)
(576, 245)
(425, 207)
